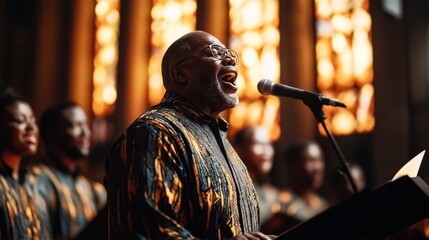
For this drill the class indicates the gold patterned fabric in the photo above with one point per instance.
(76, 200)
(173, 175)
(23, 210)
(301, 208)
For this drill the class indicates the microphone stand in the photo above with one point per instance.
(314, 102)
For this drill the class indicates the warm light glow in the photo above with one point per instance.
(99, 75)
(324, 10)
(344, 63)
(349, 98)
(341, 6)
(255, 36)
(361, 20)
(170, 20)
(108, 55)
(270, 63)
(344, 70)
(271, 35)
(272, 110)
(341, 24)
(105, 35)
(102, 8)
(252, 39)
(172, 11)
(365, 105)
(113, 17)
(109, 94)
(323, 48)
(253, 112)
(339, 43)
(252, 8)
(105, 57)
(249, 57)
(426, 227)
(362, 53)
(156, 86)
(325, 70)
(189, 7)
(236, 116)
(343, 122)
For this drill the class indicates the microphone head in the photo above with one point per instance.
(265, 86)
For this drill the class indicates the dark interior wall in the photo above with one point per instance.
(51, 60)
(215, 22)
(34, 49)
(401, 86)
(391, 135)
(16, 45)
(297, 57)
(418, 58)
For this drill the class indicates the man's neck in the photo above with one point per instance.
(63, 162)
(68, 163)
(13, 161)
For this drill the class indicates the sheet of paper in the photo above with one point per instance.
(411, 168)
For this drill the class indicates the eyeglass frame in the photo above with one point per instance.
(230, 52)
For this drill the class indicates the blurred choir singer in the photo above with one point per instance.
(76, 200)
(253, 145)
(23, 210)
(300, 200)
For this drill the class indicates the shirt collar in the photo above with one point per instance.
(183, 105)
(7, 171)
(57, 164)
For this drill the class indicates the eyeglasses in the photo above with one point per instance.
(217, 52)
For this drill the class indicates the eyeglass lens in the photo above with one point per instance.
(220, 52)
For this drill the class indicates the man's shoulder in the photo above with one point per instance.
(39, 169)
(159, 116)
(92, 187)
(149, 124)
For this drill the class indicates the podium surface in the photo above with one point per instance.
(370, 214)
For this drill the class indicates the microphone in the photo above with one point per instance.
(268, 87)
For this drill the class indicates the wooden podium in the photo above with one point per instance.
(370, 214)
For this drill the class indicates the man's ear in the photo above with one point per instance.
(177, 75)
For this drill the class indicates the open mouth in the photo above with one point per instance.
(32, 139)
(229, 77)
(85, 143)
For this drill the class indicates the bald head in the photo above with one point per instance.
(206, 79)
(181, 49)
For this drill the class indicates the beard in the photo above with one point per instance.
(76, 153)
(217, 99)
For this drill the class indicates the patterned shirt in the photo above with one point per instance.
(23, 209)
(268, 199)
(76, 200)
(173, 175)
(301, 208)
